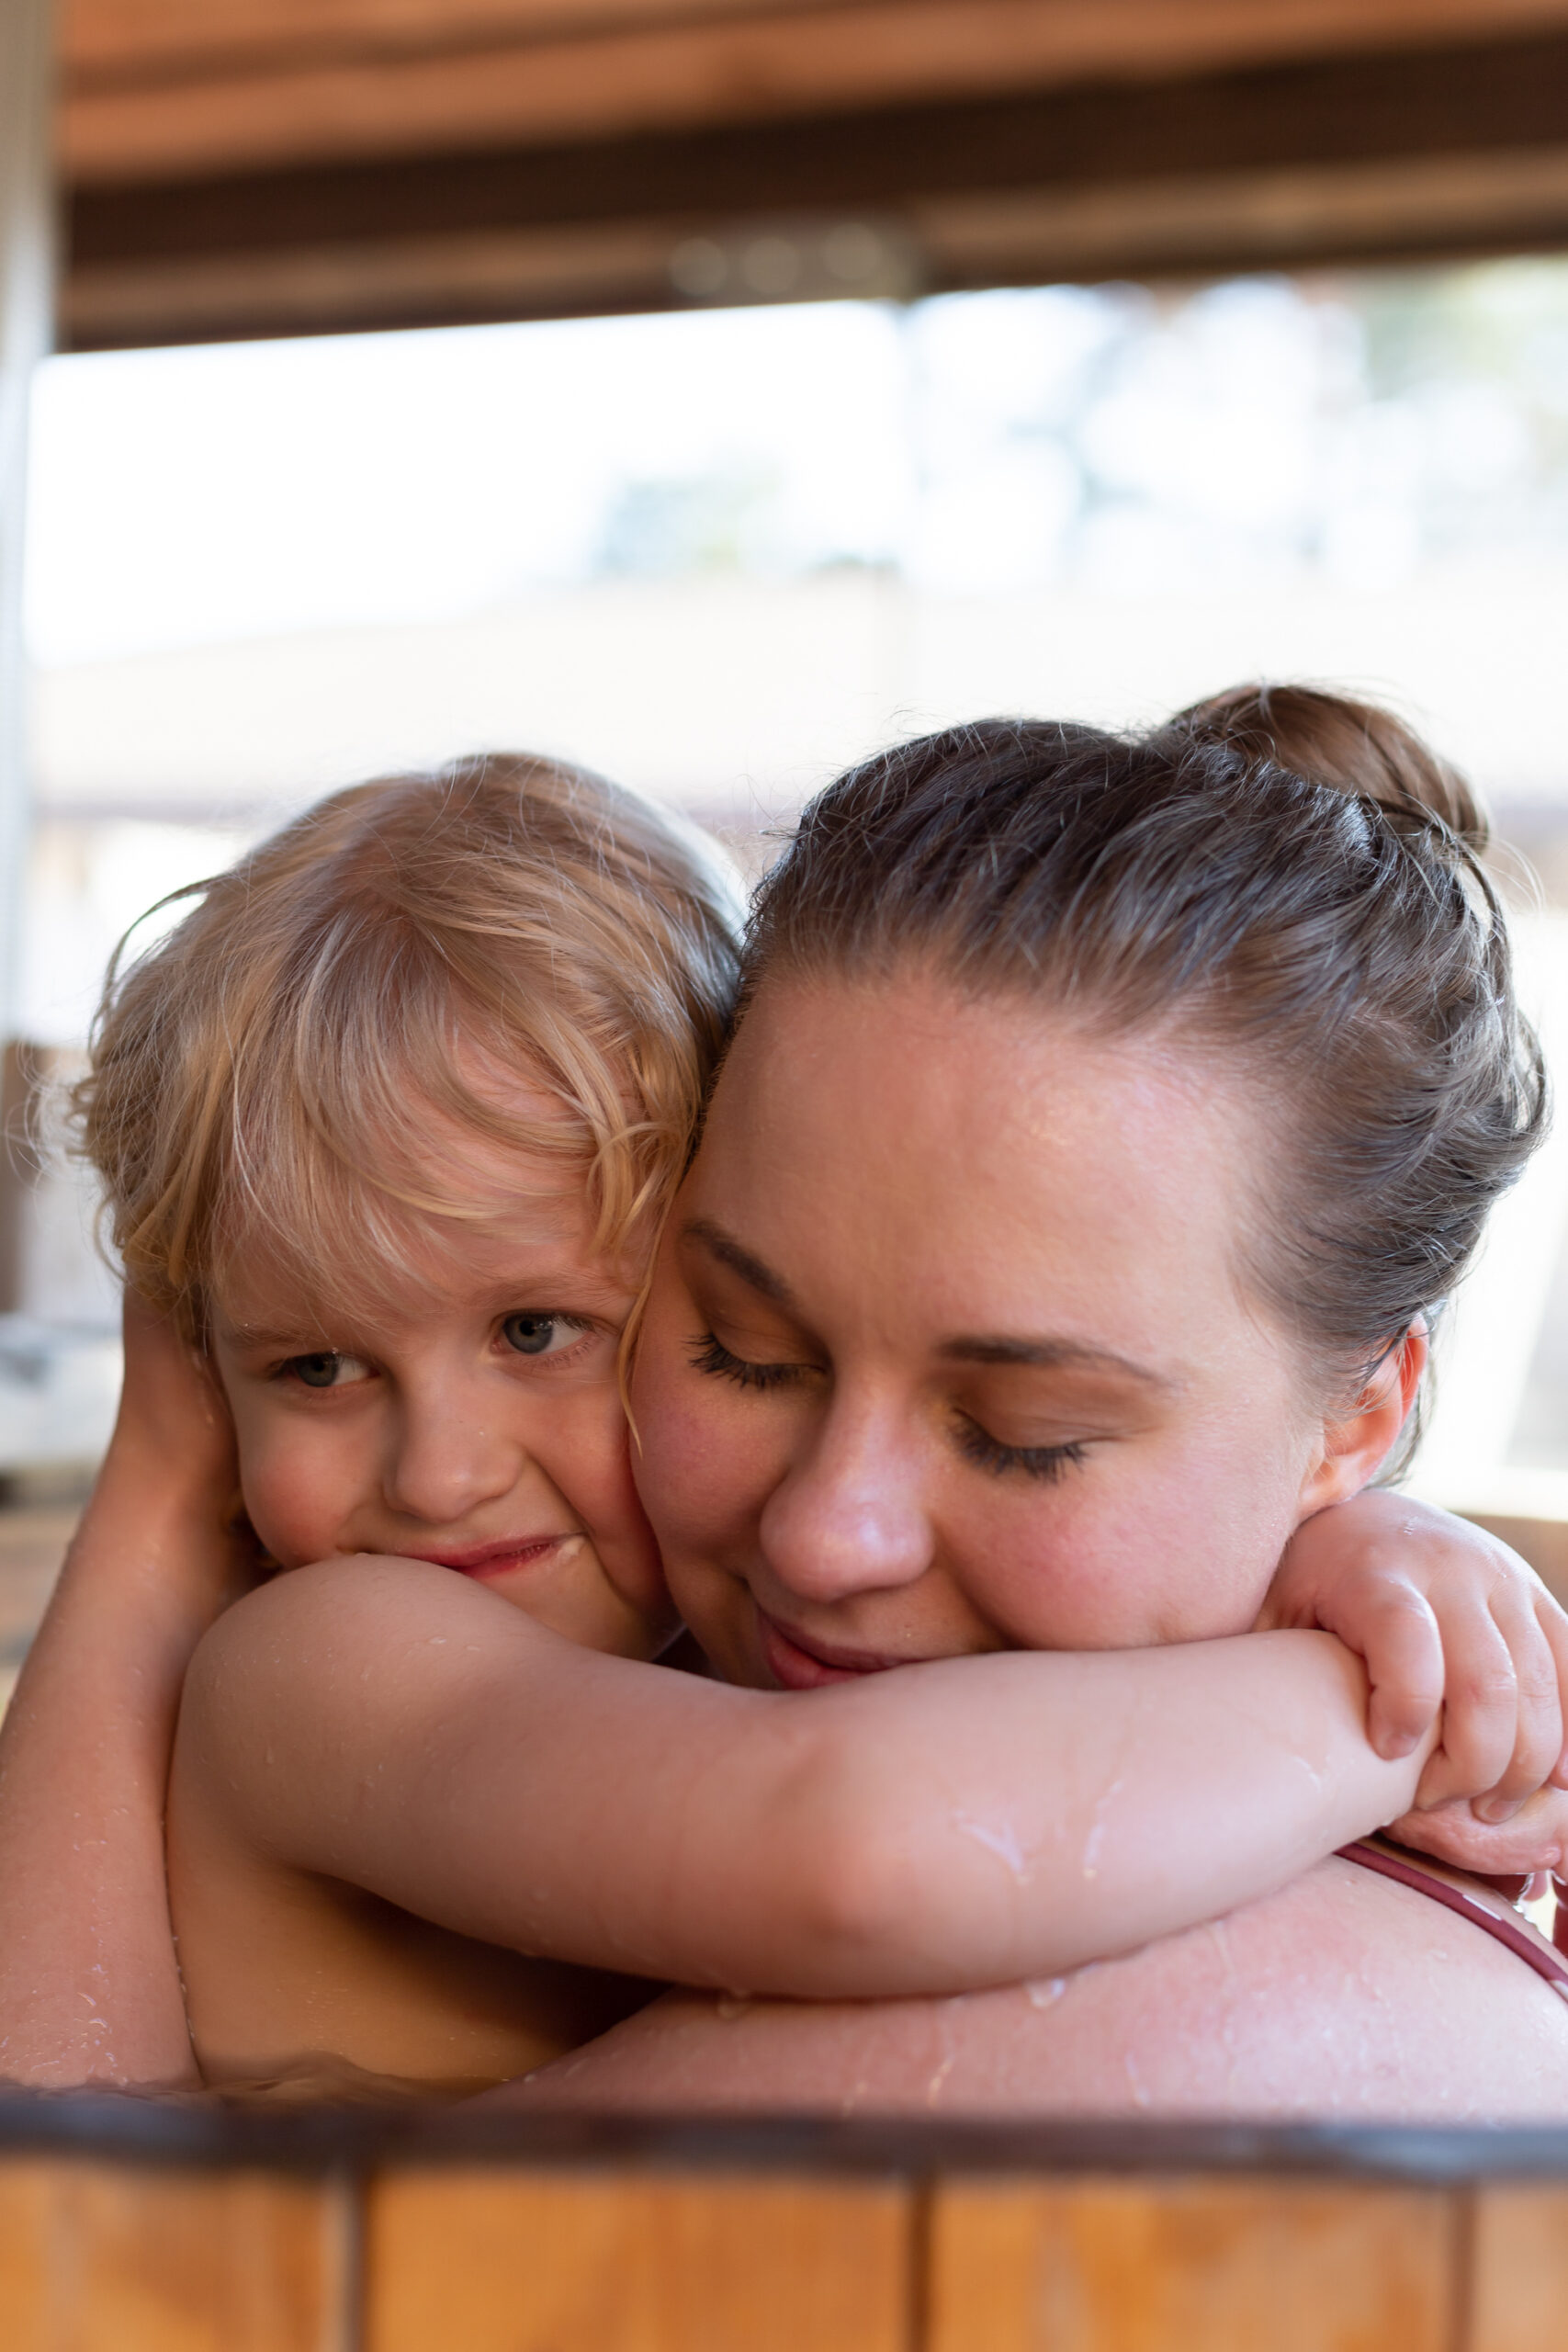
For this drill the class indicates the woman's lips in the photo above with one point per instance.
(802, 1665)
(487, 1560)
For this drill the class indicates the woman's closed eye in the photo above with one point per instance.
(325, 1368)
(988, 1453)
(708, 1355)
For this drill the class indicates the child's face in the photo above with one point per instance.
(477, 1423)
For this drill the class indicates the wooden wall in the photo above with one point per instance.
(910, 2247)
(274, 166)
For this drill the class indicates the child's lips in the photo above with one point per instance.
(498, 1559)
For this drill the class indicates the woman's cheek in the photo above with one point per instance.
(681, 1463)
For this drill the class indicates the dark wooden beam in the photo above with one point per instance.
(589, 226)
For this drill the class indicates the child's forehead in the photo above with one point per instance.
(438, 1198)
(388, 1263)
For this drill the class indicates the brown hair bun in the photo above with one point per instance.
(1352, 746)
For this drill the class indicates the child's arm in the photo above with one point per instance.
(939, 1828)
(89, 1985)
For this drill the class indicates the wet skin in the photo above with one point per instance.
(474, 1420)
(951, 1347)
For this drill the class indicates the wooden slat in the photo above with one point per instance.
(1450, 152)
(1290, 219)
(613, 79)
(97, 2257)
(1519, 2291)
(495, 2261)
(1300, 216)
(1129, 2266)
(110, 37)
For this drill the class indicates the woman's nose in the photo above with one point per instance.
(850, 1517)
(449, 1457)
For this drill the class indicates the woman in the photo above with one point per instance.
(1141, 1108)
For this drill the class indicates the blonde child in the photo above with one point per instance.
(387, 1128)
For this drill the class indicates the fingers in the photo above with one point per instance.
(1529, 1841)
(1503, 1732)
(1554, 1632)
(1404, 1651)
(1537, 1736)
(1482, 1714)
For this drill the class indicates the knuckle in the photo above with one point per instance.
(1484, 1689)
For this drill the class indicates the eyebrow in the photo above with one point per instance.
(1074, 1355)
(261, 1335)
(1050, 1355)
(729, 1252)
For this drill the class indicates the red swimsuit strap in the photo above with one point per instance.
(1541, 1956)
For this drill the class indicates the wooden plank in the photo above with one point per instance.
(110, 37)
(99, 2258)
(1301, 216)
(1131, 2266)
(1298, 217)
(513, 2261)
(104, 37)
(1450, 151)
(1504, 99)
(1519, 2286)
(615, 79)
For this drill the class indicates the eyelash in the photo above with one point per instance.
(710, 1355)
(1047, 1462)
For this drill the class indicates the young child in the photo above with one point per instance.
(387, 1127)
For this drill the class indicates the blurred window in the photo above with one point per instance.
(719, 553)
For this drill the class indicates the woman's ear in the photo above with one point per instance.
(1356, 1445)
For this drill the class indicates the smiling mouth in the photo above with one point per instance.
(485, 1561)
(807, 1664)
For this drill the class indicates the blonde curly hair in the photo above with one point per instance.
(268, 1072)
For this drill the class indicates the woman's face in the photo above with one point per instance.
(948, 1349)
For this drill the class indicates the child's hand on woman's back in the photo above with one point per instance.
(1445, 1616)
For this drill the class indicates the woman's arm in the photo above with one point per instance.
(949, 1825)
(89, 1984)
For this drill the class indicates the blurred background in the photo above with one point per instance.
(719, 555)
(1165, 347)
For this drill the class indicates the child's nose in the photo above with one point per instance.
(447, 1459)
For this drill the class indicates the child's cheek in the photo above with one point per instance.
(622, 1536)
(293, 1494)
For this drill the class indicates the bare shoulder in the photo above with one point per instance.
(1344, 1994)
(355, 1597)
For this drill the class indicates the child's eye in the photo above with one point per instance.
(979, 1446)
(326, 1369)
(541, 1335)
(709, 1354)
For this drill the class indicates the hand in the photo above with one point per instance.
(1444, 1616)
(170, 1406)
(1533, 1838)
(170, 1480)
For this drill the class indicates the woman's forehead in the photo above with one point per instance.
(905, 1136)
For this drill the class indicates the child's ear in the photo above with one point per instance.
(1356, 1445)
